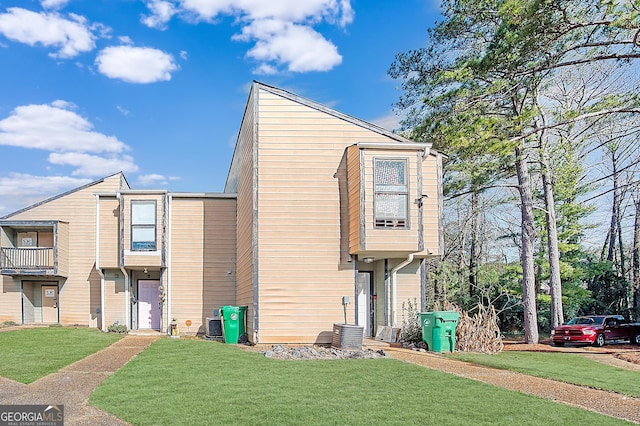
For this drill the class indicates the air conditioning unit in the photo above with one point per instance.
(213, 328)
(347, 336)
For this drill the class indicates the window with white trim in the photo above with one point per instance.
(391, 193)
(143, 225)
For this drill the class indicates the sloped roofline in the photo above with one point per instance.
(346, 117)
(256, 85)
(64, 194)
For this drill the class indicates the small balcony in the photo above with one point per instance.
(30, 260)
(34, 248)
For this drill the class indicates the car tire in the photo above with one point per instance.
(600, 340)
(636, 339)
(558, 343)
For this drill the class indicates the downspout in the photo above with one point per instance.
(102, 325)
(128, 307)
(394, 289)
(127, 298)
(168, 265)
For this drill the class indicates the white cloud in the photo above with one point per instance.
(54, 4)
(122, 110)
(390, 121)
(54, 128)
(71, 36)
(136, 64)
(125, 40)
(154, 179)
(161, 13)
(282, 29)
(93, 165)
(33, 189)
(184, 54)
(300, 47)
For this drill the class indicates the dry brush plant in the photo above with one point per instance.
(478, 333)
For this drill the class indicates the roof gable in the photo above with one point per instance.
(123, 184)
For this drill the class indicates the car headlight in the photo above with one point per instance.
(588, 332)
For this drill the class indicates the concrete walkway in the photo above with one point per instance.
(73, 385)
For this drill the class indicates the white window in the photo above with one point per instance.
(143, 225)
(391, 193)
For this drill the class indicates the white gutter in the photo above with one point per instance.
(102, 324)
(127, 298)
(168, 265)
(400, 145)
(394, 289)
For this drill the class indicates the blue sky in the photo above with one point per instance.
(157, 88)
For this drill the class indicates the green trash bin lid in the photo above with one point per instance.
(447, 316)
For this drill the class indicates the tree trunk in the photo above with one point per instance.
(613, 227)
(636, 259)
(527, 253)
(555, 282)
(473, 250)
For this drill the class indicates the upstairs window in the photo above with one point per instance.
(143, 225)
(391, 193)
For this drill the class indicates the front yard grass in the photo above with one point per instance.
(208, 383)
(32, 353)
(565, 367)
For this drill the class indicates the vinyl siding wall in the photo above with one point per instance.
(79, 294)
(109, 237)
(245, 217)
(115, 302)
(430, 205)
(203, 258)
(301, 272)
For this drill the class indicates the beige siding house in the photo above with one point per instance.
(319, 209)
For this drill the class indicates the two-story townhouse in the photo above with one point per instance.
(318, 207)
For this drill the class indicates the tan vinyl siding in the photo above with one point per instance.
(62, 248)
(431, 213)
(79, 294)
(245, 216)
(203, 253)
(109, 232)
(115, 302)
(302, 274)
(354, 185)
(11, 300)
(407, 287)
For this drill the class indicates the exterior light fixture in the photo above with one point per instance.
(368, 259)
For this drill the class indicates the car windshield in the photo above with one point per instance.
(586, 320)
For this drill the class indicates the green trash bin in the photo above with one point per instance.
(230, 316)
(439, 330)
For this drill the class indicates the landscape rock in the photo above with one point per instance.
(320, 352)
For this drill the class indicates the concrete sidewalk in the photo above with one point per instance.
(73, 385)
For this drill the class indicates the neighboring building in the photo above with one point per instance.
(318, 207)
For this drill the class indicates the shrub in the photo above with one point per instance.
(411, 331)
(117, 328)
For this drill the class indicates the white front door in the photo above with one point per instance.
(148, 304)
(364, 302)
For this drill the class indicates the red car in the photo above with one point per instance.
(596, 330)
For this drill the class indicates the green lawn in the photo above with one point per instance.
(32, 353)
(207, 383)
(570, 368)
